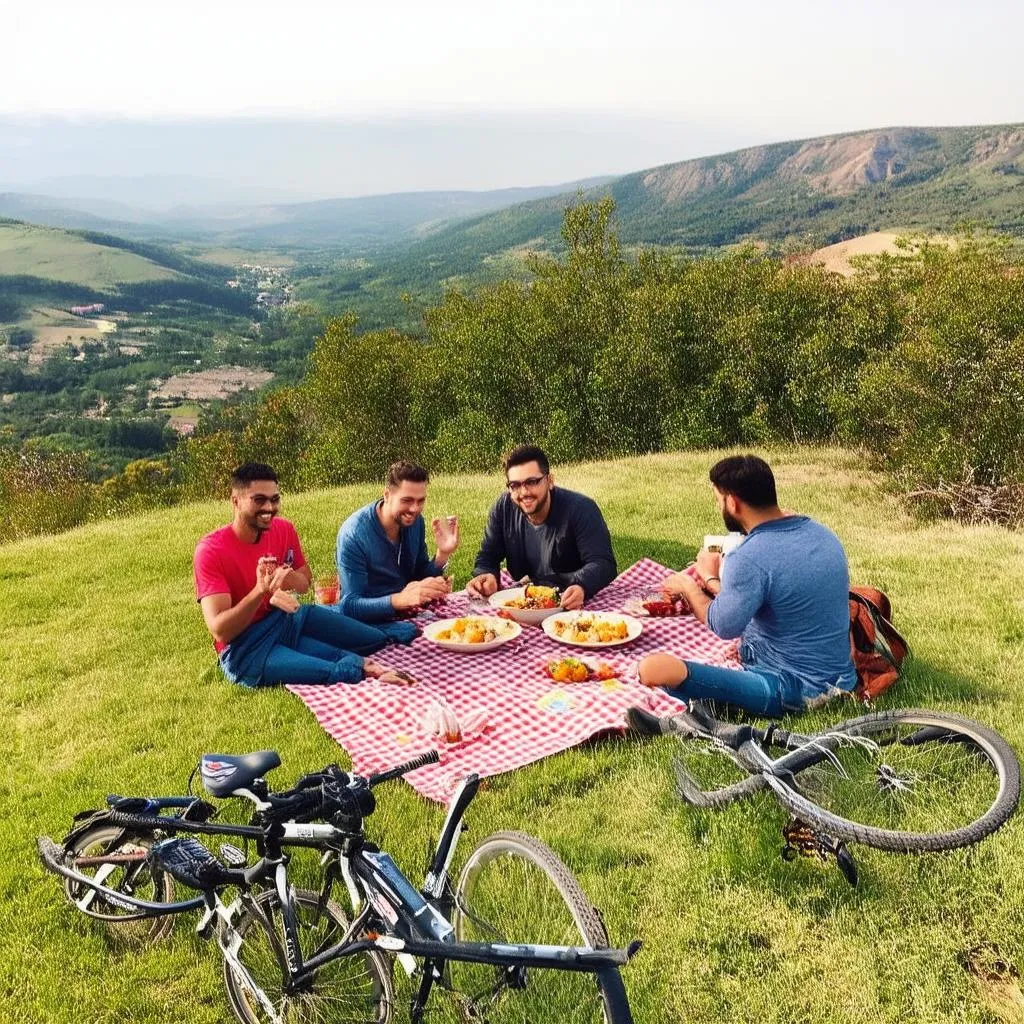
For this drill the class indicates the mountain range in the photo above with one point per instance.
(808, 192)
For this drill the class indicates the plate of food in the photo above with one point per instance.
(592, 629)
(657, 605)
(472, 633)
(578, 670)
(530, 605)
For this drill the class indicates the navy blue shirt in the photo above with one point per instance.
(785, 592)
(572, 546)
(371, 567)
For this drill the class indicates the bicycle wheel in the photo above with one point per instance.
(906, 781)
(349, 990)
(117, 859)
(514, 889)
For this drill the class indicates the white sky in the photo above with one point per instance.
(349, 98)
(787, 67)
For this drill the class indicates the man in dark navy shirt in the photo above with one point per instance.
(554, 536)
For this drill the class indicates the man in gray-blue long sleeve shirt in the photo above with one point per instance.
(554, 536)
(381, 553)
(783, 592)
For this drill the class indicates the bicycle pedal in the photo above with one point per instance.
(802, 840)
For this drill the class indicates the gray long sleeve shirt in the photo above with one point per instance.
(571, 546)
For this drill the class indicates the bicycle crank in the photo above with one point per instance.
(802, 840)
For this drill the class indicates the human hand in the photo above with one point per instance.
(285, 601)
(483, 585)
(419, 592)
(277, 581)
(573, 597)
(681, 584)
(446, 535)
(709, 563)
(265, 569)
(374, 670)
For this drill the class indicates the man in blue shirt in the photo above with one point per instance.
(784, 592)
(383, 566)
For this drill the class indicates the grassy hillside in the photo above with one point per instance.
(62, 256)
(108, 684)
(806, 193)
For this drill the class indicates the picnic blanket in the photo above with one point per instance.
(528, 715)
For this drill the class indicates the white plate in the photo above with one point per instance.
(507, 631)
(634, 626)
(528, 616)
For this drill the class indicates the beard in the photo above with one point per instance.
(732, 524)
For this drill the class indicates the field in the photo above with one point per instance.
(47, 253)
(108, 684)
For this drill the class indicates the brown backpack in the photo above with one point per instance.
(878, 649)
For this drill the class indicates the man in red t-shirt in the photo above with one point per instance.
(244, 573)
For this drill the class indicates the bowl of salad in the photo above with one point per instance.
(530, 605)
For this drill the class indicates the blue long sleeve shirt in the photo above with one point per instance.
(785, 593)
(371, 567)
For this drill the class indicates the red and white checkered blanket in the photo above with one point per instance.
(528, 715)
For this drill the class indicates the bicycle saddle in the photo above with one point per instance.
(224, 773)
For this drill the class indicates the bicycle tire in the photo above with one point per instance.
(355, 989)
(979, 780)
(514, 888)
(106, 840)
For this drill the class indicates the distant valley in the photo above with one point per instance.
(234, 292)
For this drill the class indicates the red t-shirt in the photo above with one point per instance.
(223, 564)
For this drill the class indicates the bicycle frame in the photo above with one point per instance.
(410, 923)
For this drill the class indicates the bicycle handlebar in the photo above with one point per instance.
(430, 757)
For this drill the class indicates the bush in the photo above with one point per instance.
(944, 402)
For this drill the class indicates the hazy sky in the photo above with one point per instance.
(743, 72)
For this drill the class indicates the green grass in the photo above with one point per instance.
(108, 683)
(49, 253)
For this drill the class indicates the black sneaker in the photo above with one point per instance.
(647, 724)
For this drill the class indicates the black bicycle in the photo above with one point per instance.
(513, 939)
(904, 781)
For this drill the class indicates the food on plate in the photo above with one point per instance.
(576, 670)
(536, 598)
(472, 631)
(660, 606)
(591, 630)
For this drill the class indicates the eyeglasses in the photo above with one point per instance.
(531, 481)
(265, 499)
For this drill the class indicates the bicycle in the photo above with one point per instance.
(513, 939)
(904, 781)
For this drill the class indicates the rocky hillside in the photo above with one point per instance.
(807, 193)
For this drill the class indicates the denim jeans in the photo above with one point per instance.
(314, 645)
(759, 690)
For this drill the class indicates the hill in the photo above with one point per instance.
(28, 250)
(127, 700)
(807, 193)
(346, 224)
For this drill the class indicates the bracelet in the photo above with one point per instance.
(708, 579)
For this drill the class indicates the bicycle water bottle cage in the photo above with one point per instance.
(187, 860)
(223, 774)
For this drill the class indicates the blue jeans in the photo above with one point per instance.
(314, 645)
(759, 690)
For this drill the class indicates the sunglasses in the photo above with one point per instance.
(531, 481)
